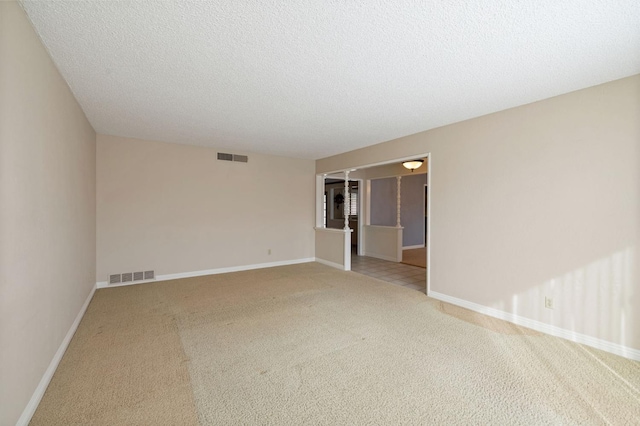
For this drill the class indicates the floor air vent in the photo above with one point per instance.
(129, 277)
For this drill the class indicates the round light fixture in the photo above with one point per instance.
(413, 164)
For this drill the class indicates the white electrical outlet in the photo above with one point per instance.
(548, 303)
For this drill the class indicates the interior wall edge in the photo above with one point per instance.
(31, 407)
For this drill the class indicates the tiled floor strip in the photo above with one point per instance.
(400, 274)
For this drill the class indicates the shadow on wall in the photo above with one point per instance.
(597, 299)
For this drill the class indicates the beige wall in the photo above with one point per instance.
(330, 246)
(177, 209)
(539, 200)
(383, 242)
(47, 219)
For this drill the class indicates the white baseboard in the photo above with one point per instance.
(104, 284)
(31, 407)
(166, 277)
(328, 263)
(553, 330)
(381, 256)
(413, 247)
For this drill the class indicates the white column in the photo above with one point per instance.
(399, 179)
(367, 202)
(320, 201)
(325, 208)
(347, 230)
(347, 203)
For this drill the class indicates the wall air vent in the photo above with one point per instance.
(127, 277)
(114, 279)
(138, 276)
(225, 157)
(149, 275)
(240, 158)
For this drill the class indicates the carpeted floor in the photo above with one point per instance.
(415, 257)
(307, 344)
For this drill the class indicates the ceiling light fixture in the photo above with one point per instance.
(413, 164)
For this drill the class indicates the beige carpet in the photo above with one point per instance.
(415, 257)
(307, 344)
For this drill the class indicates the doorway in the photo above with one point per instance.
(367, 239)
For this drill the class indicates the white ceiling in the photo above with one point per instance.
(312, 78)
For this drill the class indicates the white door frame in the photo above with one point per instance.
(425, 228)
(428, 239)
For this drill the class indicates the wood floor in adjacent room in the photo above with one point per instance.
(308, 344)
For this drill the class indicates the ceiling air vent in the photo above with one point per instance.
(225, 157)
(114, 279)
(127, 277)
(240, 158)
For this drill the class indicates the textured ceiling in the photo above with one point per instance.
(313, 78)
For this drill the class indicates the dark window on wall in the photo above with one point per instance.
(353, 202)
